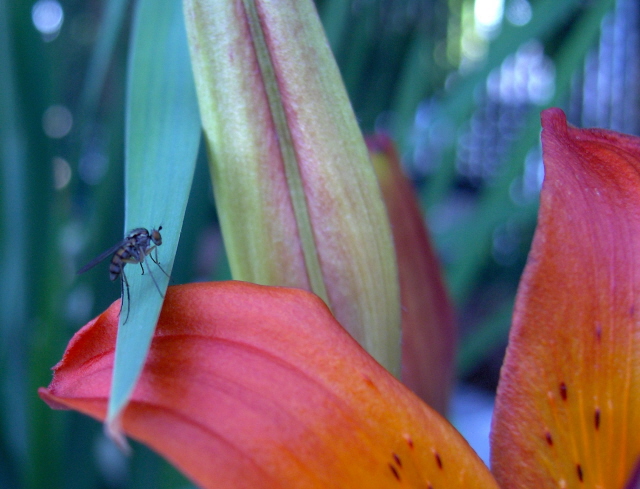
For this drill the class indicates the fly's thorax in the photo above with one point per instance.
(134, 233)
(139, 237)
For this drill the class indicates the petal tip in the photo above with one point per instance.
(46, 395)
(553, 117)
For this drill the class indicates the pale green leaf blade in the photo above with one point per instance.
(162, 137)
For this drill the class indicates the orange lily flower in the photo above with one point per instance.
(252, 386)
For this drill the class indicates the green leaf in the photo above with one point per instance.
(162, 137)
(102, 55)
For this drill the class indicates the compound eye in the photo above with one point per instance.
(155, 237)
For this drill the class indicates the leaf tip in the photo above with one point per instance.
(113, 430)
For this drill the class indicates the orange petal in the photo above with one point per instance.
(428, 325)
(253, 386)
(568, 406)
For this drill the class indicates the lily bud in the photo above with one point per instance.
(297, 198)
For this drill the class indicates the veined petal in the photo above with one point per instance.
(428, 325)
(568, 406)
(253, 386)
(298, 201)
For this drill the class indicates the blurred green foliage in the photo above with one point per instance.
(422, 70)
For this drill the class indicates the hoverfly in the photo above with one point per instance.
(134, 248)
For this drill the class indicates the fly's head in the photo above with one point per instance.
(156, 237)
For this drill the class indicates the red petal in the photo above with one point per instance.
(428, 325)
(251, 386)
(568, 406)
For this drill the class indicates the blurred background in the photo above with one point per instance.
(458, 84)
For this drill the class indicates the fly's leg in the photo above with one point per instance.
(125, 286)
(154, 281)
(155, 260)
(121, 298)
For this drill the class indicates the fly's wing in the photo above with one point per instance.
(101, 257)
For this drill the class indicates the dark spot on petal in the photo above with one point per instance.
(397, 459)
(368, 381)
(632, 310)
(598, 332)
(438, 460)
(547, 437)
(563, 391)
(429, 486)
(394, 471)
(579, 470)
(408, 440)
(597, 418)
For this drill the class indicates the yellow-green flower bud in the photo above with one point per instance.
(297, 198)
